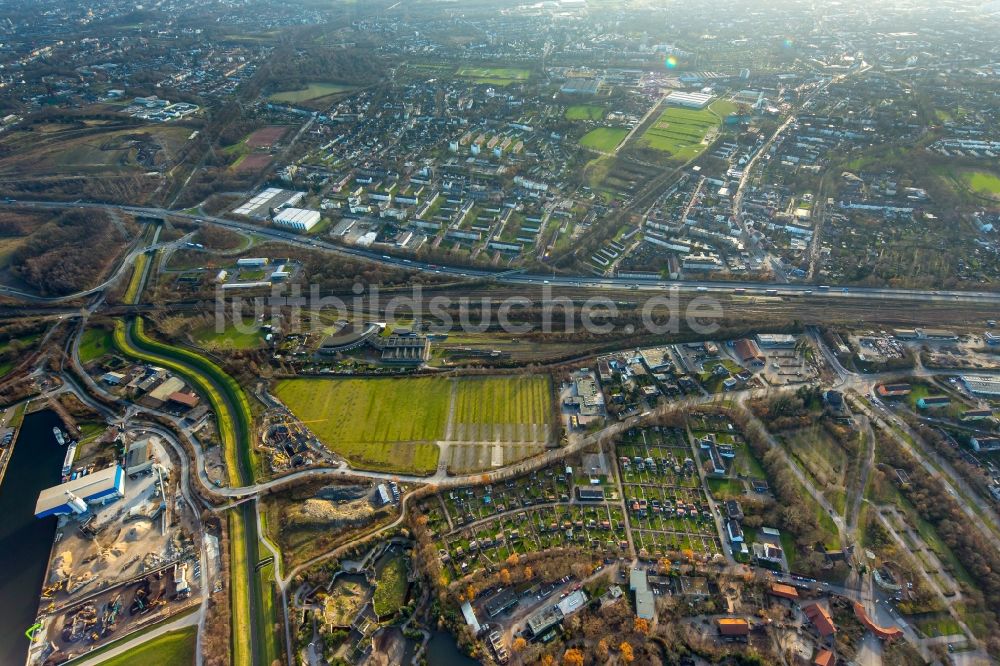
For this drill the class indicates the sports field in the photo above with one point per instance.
(266, 137)
(682, 132)
(585, 112)
(395, 424)
(496, 75)
(604, 139)
(251, 163)
(983, 183)
(310, 92)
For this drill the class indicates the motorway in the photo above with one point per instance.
(193, 471)
(803, 290)
(247, 494)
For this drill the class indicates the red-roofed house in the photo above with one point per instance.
(883, 633)
(784, 591)
(189, 400)
(824, 658)
(732, 627)
(820, 618)
(749, 353)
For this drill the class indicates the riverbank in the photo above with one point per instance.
(11, 422)
(25, 541)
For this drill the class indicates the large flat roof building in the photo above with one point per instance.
(581, 87)
(543, 620)
(692, 100)
(982, 384)
(299, 219)
(645, 605)
(470, 618)
(260, 205)
(97, 488)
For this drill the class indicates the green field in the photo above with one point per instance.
(174, 648)
(585, 112)
(95, 343)
(726, 488)
(138, 274)
(500, 76)
(234, 421)
(230, 338)
(982, 183)
(390, 588)
(383, 424)
(823, 459)
(938, 624)
(682, 132)
(310, 92)
(604, 139)
(395, 424)
(503, 400)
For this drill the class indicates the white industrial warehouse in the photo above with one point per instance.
(692, 100)
(300, 219)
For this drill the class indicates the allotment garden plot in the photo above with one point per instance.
(483, 526)
(668, 507)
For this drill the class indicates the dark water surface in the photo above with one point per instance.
(25, 542)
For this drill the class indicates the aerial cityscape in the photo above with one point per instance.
(450, 332)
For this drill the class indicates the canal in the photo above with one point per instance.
(442, 650)
(25, 543)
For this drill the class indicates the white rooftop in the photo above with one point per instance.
(82, 486)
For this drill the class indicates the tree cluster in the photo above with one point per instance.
(973, 549)
(68, 254)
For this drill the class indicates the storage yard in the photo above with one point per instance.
(122, 559)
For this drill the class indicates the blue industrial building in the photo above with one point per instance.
(73, 496)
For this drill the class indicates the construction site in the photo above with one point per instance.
(288, 443)
(122, 565)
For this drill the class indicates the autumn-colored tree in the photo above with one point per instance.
(664, 566)
(688, 554)
(641, 626)
(572, 657)
(422, 520)
(546, 660)
(528, 572)
(470, 592)
(519, 644)
(627, 655)
(505, 576)
(602, 650)
(513, 559)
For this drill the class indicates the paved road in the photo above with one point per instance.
(813, 291)
(189, 620)
(440, 478)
